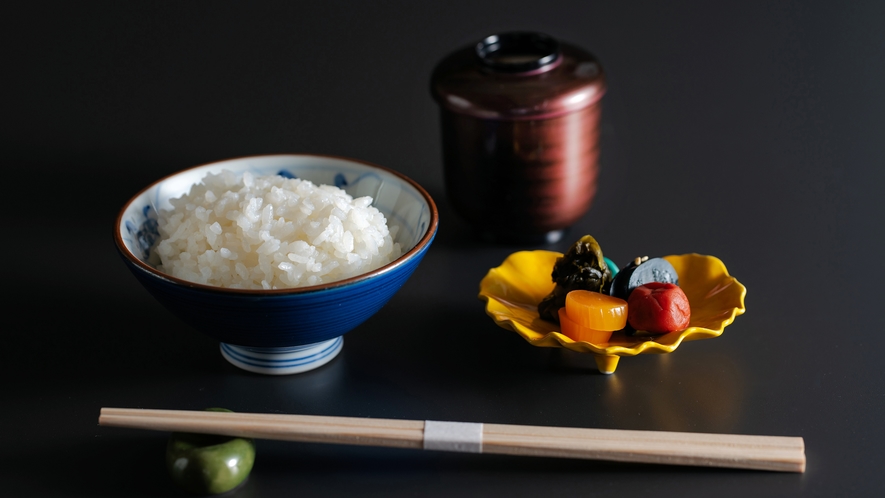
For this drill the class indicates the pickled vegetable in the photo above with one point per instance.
(596, 311)
(641, 271)
(658, 308)
(583, 267)
(576, 332)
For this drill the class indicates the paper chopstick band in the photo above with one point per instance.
(453, 436)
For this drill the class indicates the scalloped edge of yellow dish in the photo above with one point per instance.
(513, 290)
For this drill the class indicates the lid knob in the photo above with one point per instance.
(518, 52)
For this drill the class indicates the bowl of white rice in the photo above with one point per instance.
(277, 256)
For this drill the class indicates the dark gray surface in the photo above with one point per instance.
(755, 128)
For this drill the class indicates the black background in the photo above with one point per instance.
(747, 130)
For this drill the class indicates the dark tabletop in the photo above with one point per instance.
(751, 131)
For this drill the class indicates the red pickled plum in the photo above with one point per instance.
(658, 308)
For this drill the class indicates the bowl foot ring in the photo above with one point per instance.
(606, 364)
(282, 361)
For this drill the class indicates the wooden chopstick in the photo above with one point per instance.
(775, 453)
(303, 428)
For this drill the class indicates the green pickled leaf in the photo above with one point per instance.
(583, 267)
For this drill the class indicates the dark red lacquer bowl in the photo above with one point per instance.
(520, 124)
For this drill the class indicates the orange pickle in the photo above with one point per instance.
(596, 311)
(576, 332)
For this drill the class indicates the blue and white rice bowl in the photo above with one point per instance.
(282, 331)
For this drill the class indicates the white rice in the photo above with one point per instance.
(270, 232)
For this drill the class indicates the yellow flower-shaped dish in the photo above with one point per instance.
(513, 290)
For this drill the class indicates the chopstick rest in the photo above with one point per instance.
(465, 437)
